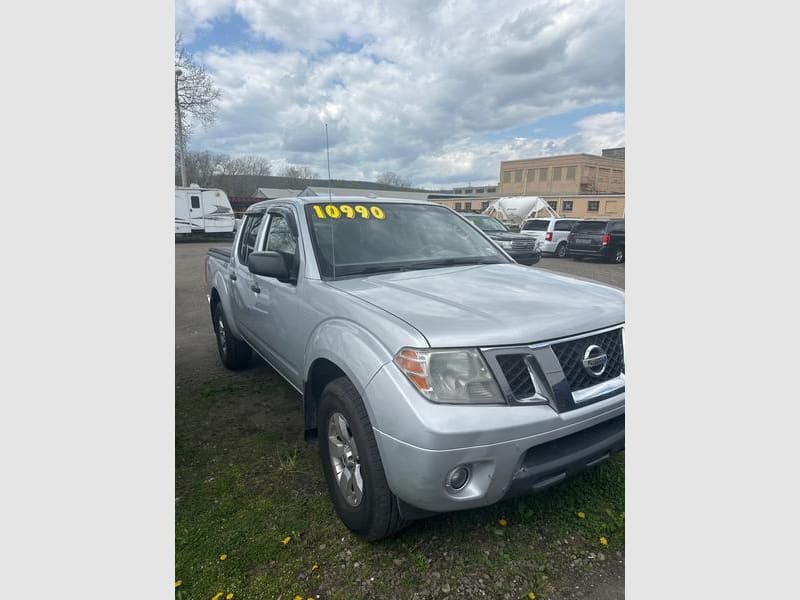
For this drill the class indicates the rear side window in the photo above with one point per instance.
(618, 227)
(564, 225)
(535, 225)
(590, 227)
(195, 201)
(247, 242)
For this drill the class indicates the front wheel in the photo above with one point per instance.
(352, 465)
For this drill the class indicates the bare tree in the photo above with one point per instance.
(299, 172)
(202, 167)
(247, 165)
(391, 178)
(195, 96)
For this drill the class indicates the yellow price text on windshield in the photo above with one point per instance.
(339, 211)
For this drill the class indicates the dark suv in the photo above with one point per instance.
(522, 248)
(599, 238)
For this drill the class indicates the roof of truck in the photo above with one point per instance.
(303, 200)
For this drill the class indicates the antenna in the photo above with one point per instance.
(330, 199)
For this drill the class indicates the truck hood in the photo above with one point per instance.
(490, 305)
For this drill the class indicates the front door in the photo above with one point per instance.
(275, 318)
(196, 212)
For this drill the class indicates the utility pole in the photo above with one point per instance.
(178, 73)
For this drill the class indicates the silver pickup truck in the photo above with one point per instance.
(436, 373)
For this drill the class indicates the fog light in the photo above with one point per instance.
(458, 478)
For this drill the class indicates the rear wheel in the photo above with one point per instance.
(234, 354)
(561, 250)
(353, 468)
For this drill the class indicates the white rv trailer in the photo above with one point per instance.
(201, 210)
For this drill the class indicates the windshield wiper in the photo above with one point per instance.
(449, 262)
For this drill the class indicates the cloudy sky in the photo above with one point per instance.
(437, 91)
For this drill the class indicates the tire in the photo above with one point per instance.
(619, 256)
(234, 354)
(561, 250)
(373, 514)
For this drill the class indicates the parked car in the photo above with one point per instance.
(435, 372)
(550, 233)
(521, 248)
(600, 238)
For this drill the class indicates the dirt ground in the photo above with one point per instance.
(244, 479)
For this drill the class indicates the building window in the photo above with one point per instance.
(531, 174)
(566, 205)
(468, 190)
(467, 205)
(553, 204)
(458, 206)
(484, 205)
(556, 173)
(506, 176)
(594, 206)
(542, 174)
(479, 190)
(570, 173)
(518, 176)
(491, 190)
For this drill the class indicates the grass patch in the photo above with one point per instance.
(245, 481)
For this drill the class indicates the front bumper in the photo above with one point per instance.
(510, 450)
(525, 258)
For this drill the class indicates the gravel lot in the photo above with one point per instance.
(244, 480)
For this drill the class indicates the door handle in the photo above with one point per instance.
(255, 288)
(233, 276)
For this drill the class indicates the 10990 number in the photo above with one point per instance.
(334, 211)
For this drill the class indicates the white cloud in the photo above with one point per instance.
(415, 87)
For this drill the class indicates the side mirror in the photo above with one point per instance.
(236, 224)
(268, 264)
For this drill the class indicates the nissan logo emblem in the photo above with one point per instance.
(595, 360)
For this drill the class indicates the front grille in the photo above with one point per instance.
(523, 244)
(516, 373)
(570, 354)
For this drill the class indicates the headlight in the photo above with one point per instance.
(505, 245)
(450, 376)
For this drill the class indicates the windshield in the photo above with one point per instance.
(486, 223)
(385, 237)
(535, 225)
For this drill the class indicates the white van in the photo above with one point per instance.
(202, 210)
(551, 234)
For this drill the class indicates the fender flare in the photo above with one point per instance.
(351, 348)
(220, 285)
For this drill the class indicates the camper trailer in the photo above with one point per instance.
(202, 210)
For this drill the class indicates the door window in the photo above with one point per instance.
(247, 241)
(195, 201)
(281, 240)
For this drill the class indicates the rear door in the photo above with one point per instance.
(588, 235)
(242, 284)
(196, 211)
(535, 228)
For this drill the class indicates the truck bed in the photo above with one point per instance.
(223, 254)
